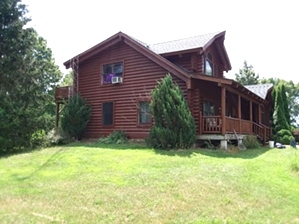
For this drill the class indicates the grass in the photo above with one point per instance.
(96, 183)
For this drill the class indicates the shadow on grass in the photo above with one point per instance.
(43, 165)
(247, 154)
(123, 146)
(18, 152)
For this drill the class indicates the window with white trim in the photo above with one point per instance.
(112, 70)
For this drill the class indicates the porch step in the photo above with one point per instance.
(241, 146)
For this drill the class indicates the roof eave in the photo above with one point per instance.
(95, 49)
(224, 55)
(242, 88)
(233, 84)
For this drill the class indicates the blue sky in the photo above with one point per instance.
(265, 33)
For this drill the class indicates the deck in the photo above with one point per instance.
(63, 93)
(213, 125)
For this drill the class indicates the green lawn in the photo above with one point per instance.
(92, 183)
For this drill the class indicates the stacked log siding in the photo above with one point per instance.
(234, 106)
(140, 76)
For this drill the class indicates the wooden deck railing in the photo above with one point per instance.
(262, 131)
(232, 124)
(213, 125)
(63, 93)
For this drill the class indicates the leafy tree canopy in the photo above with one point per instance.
(68, 79)
(28, 77)
(246, 75)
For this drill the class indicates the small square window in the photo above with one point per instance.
(144, 113)
(111, 70)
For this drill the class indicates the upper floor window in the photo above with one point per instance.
(144, 113)
(112, 73)
(209, 67)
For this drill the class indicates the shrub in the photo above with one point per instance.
(116, 137)
(57, 137)
(174, 125)
(284, 136)
(38, 139)
(251, 142)
(75, 117)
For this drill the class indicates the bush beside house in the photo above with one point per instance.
(174, 125)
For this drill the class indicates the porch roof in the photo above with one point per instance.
(238, 87)
(261, 90)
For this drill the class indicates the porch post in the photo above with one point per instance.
(250, 111)
(57, 115)
(239, 114)
(260, 114)
(223, 109)
(200, 123)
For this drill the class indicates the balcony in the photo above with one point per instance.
(63, 93)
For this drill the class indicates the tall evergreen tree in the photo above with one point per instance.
(28, 75)
(281, 117)
(292, 96)
(285, 104)
(246, 75)
(174, 125)
(75, 117)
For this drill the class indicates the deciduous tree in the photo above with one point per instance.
(28, 75)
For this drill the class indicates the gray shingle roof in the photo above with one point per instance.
(182, 44)
(260, 89)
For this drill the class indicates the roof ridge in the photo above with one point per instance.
(186, 38)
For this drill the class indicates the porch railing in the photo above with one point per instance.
(213, 125)
(63, 93)
(240, 126)
(261, 131)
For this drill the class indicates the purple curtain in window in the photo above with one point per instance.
(108, 77)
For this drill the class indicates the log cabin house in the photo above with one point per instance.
(117, 75)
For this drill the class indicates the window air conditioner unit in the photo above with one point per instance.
(116, 79)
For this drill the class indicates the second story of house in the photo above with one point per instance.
(199, 55)
(184, 58)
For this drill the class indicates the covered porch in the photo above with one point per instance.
(224, 108)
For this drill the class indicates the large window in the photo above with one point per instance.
(112, 70)
(107, 113)
(209, 70)
(208, 108)
(144, 113)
